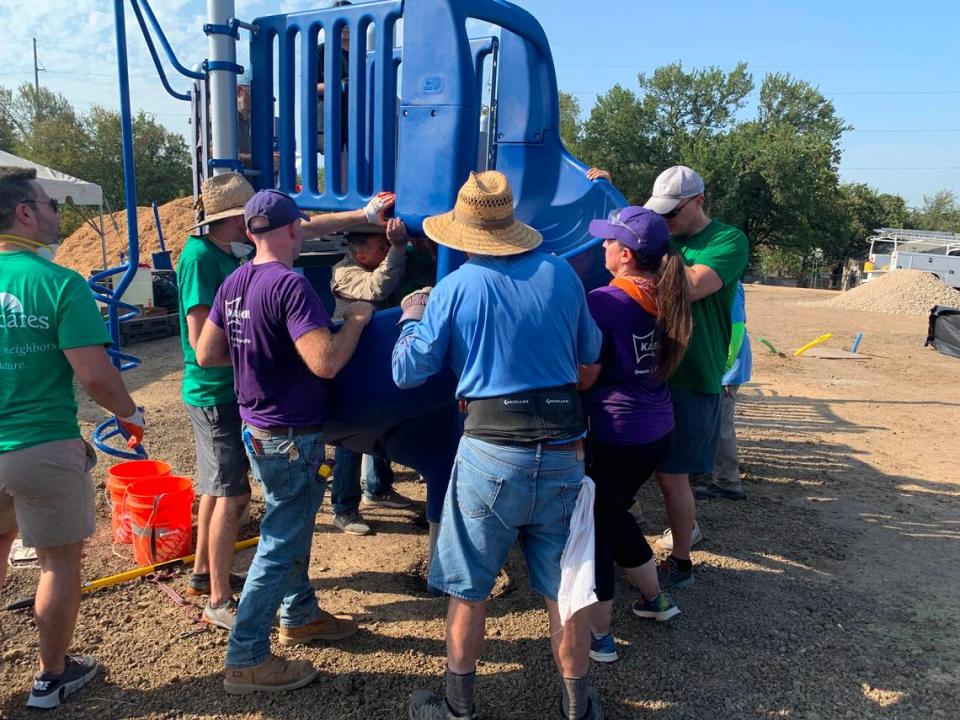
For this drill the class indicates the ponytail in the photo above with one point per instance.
(675, 321)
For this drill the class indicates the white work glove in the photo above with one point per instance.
(132, 426)
(375, 210)
(414, 304)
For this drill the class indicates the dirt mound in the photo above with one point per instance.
(81, 251)
(902, 292)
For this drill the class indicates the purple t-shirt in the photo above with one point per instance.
(264, 309)
(628, 405)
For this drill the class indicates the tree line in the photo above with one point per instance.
(45, 128)
(771, 170)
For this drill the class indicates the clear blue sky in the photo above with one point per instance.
(892, 69)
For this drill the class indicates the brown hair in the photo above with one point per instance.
(675, 321)
(14, 189)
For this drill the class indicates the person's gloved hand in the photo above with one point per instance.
(414, 304)
(132, 427)
(375, 210)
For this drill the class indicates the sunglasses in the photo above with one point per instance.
(676, 211)
(614, 219)
(52, 202)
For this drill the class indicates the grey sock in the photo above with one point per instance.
(460, 692)
(574, 699)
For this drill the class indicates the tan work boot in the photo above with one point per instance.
(272, 675)
(325, 627)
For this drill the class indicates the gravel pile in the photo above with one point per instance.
(902, 292)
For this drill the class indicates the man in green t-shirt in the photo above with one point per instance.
(716, 255)
(50, 332)
(209, 397)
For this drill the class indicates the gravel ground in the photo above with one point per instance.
(902, 292)
(828, 593)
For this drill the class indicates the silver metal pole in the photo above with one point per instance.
(223, 84)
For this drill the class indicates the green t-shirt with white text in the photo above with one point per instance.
(201, 270)
(44, 310)
(725, 250)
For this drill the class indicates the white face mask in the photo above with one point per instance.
(240, 250)
(48, 252)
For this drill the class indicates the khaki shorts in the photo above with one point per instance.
(46, 490)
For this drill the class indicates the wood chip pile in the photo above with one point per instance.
(81, 250)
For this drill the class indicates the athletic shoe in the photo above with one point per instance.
(223, 616)
(603, 649)
(351, 522)
(661, 608)
(672, 577)
(200, 583)
(665, 542)
(51, 689)
(390, 499)
(325, 627)
(711, 491)
(272, 675)
(425, 705)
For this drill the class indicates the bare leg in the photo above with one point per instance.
(466, 621)
(644, 578)
(600, 614)
(224, 524)
(6, 542)
(201, 563)
(57, 602)
(571, 644)
(681, 511)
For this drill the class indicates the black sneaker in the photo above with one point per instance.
(425, 705)
(49, 689)
(199, 583)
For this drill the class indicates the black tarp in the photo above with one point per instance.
(943, 332)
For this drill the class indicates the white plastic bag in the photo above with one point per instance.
(577, 564)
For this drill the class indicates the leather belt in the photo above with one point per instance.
(571, 446)
(286, 430)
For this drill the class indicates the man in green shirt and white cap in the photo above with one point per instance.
(50, 333)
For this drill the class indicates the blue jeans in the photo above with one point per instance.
(345, 490)
(292, 492)
(498, 493)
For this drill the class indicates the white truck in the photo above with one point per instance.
(927, 250)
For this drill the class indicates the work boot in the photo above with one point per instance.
(272, 675)
(324, 627)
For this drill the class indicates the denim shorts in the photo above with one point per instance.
(497, 494)
(696, 433)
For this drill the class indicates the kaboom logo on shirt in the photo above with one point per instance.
(235, 316)
(645, 346)
(12, 315)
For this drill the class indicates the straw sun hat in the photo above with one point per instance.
(222, 196)
(482, 221)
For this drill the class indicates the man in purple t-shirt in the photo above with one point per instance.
(268, 322)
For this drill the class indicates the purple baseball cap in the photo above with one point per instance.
(269, 210)
(637, 228)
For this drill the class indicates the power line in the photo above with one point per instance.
(899, 167)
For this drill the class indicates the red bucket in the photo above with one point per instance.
(119, 478)
(161, 518)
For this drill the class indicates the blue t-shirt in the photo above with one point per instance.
(264, 308)
(508, 324)
(628, 405)
(739, 372)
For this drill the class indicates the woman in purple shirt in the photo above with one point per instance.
(644, 315)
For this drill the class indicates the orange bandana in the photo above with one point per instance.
(641, 290)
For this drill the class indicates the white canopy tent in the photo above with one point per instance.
(57, 184)
(65, 189)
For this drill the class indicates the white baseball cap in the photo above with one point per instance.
(673, 185)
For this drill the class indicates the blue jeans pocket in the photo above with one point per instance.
(476, 490)
(569, 492)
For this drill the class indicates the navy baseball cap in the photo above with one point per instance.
(269, 210)
(637, 228)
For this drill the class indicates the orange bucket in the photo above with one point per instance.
(119, 478)
(161, 518)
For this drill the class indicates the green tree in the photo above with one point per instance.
(939, 212)
(785, 100)
(571, 126)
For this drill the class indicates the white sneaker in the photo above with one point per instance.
(665, 542)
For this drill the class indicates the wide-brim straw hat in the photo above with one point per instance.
(482, 220)
(222, 196)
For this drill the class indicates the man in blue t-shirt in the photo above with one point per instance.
(514, 325)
